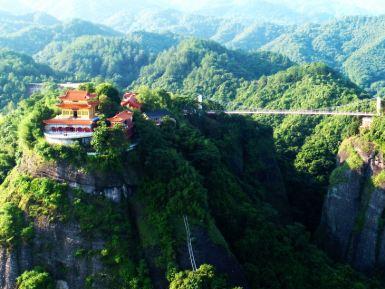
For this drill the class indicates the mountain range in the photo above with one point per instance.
(281, 11)
(351, 45)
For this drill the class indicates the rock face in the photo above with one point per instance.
(110, 185)
(352, 224)
(216, 253)
(56, 245)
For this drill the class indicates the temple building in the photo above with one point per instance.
(130, 100)
(76, 121)
(157, 116)
(124, 118)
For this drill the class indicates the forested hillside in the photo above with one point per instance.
(353, 45)
(10, 23)
(16, 71)
(277, 11)
(306, 144)
(205, 67)
(118, 59)
(32, 38)
(234, 32)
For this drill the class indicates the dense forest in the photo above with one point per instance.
(222, 188)
(205, 67)
(16, 72)
(115, 59)
(352, 45)
(32, 38)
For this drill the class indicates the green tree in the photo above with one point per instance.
(154, 99)
(107, 106)
(89, 87)
(109, 99)
(110, 145)
(31, 127)
(108, 90)
(11, 223)
(35, 279)
(203, 278)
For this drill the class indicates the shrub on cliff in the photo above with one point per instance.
(31, 126)
(11, 223)
(110, 145)
(203, 278)
(35, 279)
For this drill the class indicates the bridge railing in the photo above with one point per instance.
(295, 112)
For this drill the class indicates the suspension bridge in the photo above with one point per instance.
(295, 112)
(342, 110)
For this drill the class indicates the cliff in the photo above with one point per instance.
(96, 234)
(352, 225)
(59, 244)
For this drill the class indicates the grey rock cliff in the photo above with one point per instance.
(56, 244)
(110, 185)
(352, 224)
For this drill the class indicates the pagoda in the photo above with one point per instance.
(77, 118)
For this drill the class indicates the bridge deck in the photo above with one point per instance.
(294, 112)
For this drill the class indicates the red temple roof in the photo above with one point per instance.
(78, 95)
(68, 121)
(121, 117)
(130, 100)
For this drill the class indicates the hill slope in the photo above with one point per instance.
(32, 38)
(205, 67)
(16, 71)
(118, 59)
(353, 45)
(306, 145)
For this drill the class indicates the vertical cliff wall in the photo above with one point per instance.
(353, 219)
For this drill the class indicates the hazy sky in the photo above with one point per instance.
(64, 8)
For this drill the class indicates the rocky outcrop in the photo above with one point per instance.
(108, 184)
(55, 247)
(352, 224)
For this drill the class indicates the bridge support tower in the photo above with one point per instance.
(379, 106)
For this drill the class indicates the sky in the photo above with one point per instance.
(370, 5)
(65, 8)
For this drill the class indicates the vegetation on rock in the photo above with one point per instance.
(35, 279)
